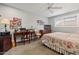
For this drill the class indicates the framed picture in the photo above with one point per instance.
(40, 22)
(15, 23)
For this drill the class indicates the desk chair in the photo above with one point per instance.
(25, 36)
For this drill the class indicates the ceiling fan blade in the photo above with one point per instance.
(51, 11)
(56, 8)
(50, 4)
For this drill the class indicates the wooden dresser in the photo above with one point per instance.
(47, 28)
(5, 42)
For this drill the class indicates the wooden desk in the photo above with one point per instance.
(29, 34)
(18, 34)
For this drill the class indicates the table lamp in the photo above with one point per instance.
(5, 22)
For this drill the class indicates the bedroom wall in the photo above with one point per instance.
(28, 19)
(64, 29)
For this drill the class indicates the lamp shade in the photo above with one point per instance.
(5, 21)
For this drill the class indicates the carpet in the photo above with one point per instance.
(34, 48)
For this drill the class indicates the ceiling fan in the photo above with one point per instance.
(52, 6)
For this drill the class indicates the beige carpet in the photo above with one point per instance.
(34, 48)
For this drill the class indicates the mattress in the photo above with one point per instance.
(62, 41)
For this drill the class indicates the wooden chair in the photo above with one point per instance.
(32, 35)
(38, 34)
(42, 32)
(25, 37)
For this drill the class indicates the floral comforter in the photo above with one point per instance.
(67, 41)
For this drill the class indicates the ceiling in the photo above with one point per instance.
(41, 8)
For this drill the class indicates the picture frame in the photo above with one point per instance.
(15, 23)
(40, 22)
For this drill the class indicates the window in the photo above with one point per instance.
(67, 22)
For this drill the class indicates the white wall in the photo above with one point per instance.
(64, 29)
(28, 19)
(33, 22)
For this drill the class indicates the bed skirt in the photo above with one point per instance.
(59, 50)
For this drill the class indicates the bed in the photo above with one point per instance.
(64, 43)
